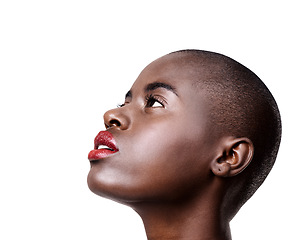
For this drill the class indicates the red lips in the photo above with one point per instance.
(106, 144)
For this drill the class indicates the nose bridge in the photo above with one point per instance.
(117, 117)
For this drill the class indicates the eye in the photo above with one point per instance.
(120, 105)
(154, 101)
(123, 104)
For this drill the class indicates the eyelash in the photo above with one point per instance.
(149, 101)
(120, 105)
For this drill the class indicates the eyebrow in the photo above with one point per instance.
(155, 85)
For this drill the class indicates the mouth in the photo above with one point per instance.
(104, 146)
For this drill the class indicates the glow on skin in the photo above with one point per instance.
(166, 165)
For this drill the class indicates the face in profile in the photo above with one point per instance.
(196, 136)
(158, 145)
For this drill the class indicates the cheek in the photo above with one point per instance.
(166, 162)
(162, 161)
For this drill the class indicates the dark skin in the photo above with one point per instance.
(171, 168)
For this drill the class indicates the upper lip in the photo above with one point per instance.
(105, 138)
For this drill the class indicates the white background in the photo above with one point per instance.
(64, 63)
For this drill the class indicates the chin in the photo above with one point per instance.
(109, 188)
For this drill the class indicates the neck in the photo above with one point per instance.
(195, 219)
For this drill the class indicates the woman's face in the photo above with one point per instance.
(164, 144)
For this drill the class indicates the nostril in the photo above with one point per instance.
(114, 122)
(115, 118)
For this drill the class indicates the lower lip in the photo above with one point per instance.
(100, 154)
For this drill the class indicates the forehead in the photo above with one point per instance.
(176, 71)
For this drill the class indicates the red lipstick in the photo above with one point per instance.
(104, 146)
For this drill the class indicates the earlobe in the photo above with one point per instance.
(220, 169)
(234, 156)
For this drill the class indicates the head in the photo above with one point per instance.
(191, 118)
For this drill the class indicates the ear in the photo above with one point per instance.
(234, 155)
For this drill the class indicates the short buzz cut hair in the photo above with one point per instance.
(241, 106)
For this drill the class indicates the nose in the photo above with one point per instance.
(116, 118)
